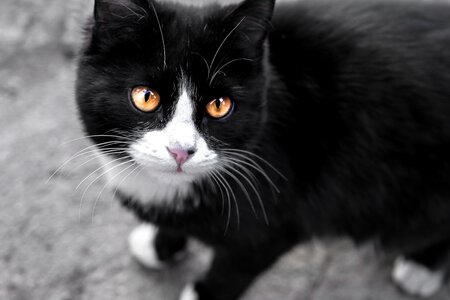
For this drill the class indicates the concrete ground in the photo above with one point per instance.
(54, 246)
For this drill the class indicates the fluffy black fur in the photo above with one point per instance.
(349, 100)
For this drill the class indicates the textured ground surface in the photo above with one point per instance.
(55, 247)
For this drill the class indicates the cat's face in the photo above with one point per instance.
(174, 88)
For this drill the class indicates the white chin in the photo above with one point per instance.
(172, 176)
(148, 185)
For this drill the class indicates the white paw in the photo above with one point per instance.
(142, 247)
(188, 293)
(415, 279)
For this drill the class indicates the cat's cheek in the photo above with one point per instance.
(150, 151)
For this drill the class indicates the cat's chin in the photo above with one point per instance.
(171, 177)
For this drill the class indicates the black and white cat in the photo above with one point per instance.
(253, 130)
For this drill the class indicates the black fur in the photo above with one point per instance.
(349, 100)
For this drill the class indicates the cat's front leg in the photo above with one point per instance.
(232, 271)
(156, 247)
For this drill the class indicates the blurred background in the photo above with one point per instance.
(56, 244)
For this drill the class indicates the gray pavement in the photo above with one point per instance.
(55, 246)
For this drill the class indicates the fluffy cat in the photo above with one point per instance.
(253, 129)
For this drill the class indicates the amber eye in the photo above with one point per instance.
(219, 108)
(145, 99)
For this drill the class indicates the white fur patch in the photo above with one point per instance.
(157, 179)
(143, 184)
(188, 293)
(180, 132)
(141, 243)
(416, 279)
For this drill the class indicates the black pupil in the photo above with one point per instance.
(218, 103)
(147, 95)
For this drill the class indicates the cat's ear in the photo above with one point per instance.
(109, 10)
(254, 18)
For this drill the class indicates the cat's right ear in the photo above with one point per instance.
(106, 11)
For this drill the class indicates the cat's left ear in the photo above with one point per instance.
(254, 18)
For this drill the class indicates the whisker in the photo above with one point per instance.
(252, 186)
(244, 169)
(239, 164)
(95, 155)
(247, 195)
(214, 181)
(132, 11)
(76, 155)
(123, 179)
(98, 169)
(96, 179)
(257, 168)
(225, 65)
(162, 35)
(257, 156)
(104, 187)
(221, 45)
(234, 199)
(97, 135)
(227, 225)
(206, 62)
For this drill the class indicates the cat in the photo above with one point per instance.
(254, 127)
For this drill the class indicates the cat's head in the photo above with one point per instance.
(174, 88)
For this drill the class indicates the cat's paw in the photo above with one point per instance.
(143, 248)
(416, 279)
(189, 293)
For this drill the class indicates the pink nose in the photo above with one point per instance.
(180, 155)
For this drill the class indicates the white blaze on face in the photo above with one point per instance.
(158, 180)
(181, 131)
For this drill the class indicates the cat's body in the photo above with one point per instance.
(350, 102)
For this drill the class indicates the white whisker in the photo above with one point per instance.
(247, 195)
(241, 165)
(206, 62)
(123, 179)
(214, 180)
(225, 65)
(79, 154)
(252, 186)
(99, 136)
(227, 225)
(232, 196)
(162, 36)
(76, 155)
(254, 166)
(96, 155)
(104, 187)
(223, 42)
(129, 9)
(256, 156)
(98, 169)
(97, 178)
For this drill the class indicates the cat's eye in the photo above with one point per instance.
(145, 99)
(219, 108)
